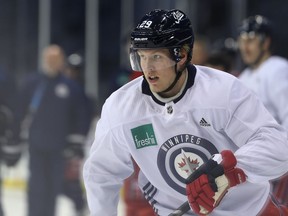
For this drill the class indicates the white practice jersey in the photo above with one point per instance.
(270, 82)
(169, 141)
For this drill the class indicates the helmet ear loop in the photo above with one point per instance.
(265, 39)
(176, 54)
(177, 57)
(187, 61)
(262, 39)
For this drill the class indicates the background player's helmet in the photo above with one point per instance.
(257, 24)
(163, 29)
(75, 60)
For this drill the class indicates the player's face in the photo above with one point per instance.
(158, 68)
(251, 48)
(53, 60)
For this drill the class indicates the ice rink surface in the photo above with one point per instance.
(14, 193)
(14, 204)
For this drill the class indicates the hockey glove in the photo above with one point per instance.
(75, 146)
(210, 182)
(10, 150)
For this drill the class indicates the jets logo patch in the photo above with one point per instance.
(180, 156)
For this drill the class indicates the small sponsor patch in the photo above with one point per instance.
(144, 136)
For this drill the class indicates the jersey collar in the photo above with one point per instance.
(190, 82)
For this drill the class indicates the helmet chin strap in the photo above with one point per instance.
(178, 75)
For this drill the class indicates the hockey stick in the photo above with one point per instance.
(181, 210)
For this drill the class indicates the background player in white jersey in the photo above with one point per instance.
(267, 75)
(172, 120)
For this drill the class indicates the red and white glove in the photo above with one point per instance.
(209, 183)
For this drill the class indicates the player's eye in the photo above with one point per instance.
(157, 57)
(142, 56)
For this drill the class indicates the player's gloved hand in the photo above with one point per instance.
(75, 146)
(209, 183)
(73, 150)
(10, 150)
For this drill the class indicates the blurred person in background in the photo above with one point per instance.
(266, 75)
(74, 70)
(53, 119)
(223, 56)
(72, 186)
(219, 61)
(10, 150)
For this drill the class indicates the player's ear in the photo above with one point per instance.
(267, 43)
(184, 55)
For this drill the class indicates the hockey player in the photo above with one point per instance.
(172, 121)
(267, 75)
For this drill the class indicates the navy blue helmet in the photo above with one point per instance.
(163, 29)
(257, 24)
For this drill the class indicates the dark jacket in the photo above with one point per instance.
(60, 111)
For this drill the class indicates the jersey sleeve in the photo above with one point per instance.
(276, 87)
(262, 141)
(108, 164)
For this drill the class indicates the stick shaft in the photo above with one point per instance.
(181, 210)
